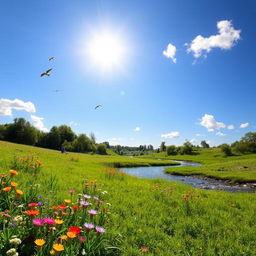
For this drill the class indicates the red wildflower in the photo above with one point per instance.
(76, 230)
(75, 207)
(32, 212)
(62, 206)
(55, 207)
(32, 204)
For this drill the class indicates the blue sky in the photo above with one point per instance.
(170, 97)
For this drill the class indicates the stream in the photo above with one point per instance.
(155, 172)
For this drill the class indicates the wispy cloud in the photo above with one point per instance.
(244, 125)
(231, 127)
(170, 52)
(170, 135)
(225, 39)
(220, 134)
(6, 106)
(73, 123)
(137, 129)
(38, 123)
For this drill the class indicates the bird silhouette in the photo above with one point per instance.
(46, 73)
(98, 106)
(52, 58)
(56, 90)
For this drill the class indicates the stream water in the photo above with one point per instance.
(155, 172)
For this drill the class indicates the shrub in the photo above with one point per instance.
(226, 149)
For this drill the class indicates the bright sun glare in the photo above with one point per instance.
(106, 50)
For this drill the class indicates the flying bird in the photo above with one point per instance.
(98, 106)
(46, 73)
(52, 58)
(56, 90)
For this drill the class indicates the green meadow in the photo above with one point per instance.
(152, 217)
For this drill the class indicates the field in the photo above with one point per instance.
(146, 217)
(237, 168)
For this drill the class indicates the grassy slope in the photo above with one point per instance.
(150, 213)
(214, 164)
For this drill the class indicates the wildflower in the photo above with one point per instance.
(12, 252)
(75, 207)
(58, 247)
(92, 212)
(82, 238)
(88, 226)
(6, 215)
(13, 172)
(39, 163)
(84, 203)
(39, 242)
(32, 212)
(55, 207)
(71, 235)
(96, 198)
(71, 191)
(86, 196)
(86, 185)
(67, 201)
(52, 252)
(144, 249)
(15, 241)
(18, 219)
(32, 204)
(40, 203)
(58, 221)
(38, 222)
(6, 189)
(75, 230)
(99, 230)
(64, 237)
(19, 192)
(14, 184)
(62, 206)
(48, 220)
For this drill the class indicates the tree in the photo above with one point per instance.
(226, 149)
(187, 148)
(101, 149)
(204, 144)
(93, 137)
(250, 139)
(107, 144)
(83, 144)
(66, 133)
(171, 150)
(162, 146)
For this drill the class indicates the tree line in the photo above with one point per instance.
(59, 137)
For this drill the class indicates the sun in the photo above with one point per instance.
(106, 50)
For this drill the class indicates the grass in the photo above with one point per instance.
(237, 168)
(148, 217)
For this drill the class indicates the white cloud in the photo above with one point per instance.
(193, 141)
(115, 141)
(231, 127)
(170, 135)
(170, 52)
(73, 123)
(200, 135)
(137, 129)
(209, 122)
(244, 125)
(6, 106)
(38, 123)
(225, 39)
(220, 134)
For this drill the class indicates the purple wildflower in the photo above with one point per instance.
(100, 230)
(92, 212)
(38, 222)
(87, 196)
(40, 203)
(96, 198)
(84, 203)
(49, 220)
(88, 226)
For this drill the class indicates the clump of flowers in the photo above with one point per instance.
(74, 226)
(28, 163)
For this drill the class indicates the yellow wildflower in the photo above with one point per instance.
(39, 242)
